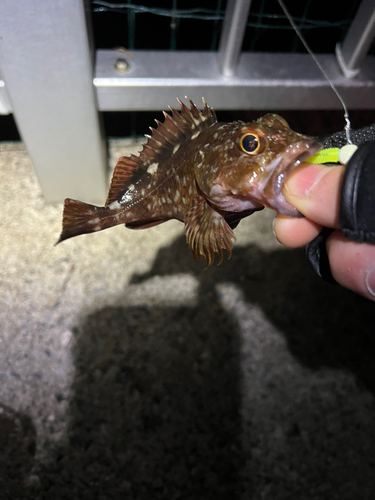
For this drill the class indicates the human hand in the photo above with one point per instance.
(315, 191)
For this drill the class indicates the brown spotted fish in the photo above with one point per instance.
(206, 174)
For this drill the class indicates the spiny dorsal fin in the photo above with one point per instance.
(176, 129)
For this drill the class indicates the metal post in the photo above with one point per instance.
(48, 72)
(5, 104)
(358, 39)
(232, 35)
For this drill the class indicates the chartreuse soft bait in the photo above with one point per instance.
(333, 155)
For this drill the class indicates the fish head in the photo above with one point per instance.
(246, 164)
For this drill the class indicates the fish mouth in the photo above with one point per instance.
(296, 154)
(265, 189)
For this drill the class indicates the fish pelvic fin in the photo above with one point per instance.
(207, 232)
(81, 218)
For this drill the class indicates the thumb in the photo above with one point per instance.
(315, 191)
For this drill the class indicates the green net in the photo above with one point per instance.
(182, 25)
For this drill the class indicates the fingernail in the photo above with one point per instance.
(273, 227)
(303, 179)
(370, 280)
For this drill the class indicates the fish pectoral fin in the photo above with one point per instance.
(207, 232)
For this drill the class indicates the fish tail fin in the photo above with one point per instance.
(80, 218)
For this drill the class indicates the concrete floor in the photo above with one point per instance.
(129, 371)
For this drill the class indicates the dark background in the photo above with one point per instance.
(267, 31)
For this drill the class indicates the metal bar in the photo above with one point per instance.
(5, 104)
(358, 39)
(47, 67)
(263, 81)
(232, 35)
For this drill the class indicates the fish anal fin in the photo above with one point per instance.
(144, 225)
(207, 232)
(125, 170)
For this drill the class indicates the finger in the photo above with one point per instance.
(315, 191)
(352, 264)
(293, 232)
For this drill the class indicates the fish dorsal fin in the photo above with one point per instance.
(127, 167)
(177, 128)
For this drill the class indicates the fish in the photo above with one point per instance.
(207, 174)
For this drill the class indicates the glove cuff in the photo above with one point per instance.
(357, 209)
(357, 202)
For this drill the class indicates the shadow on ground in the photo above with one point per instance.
(156, 405)
(17, 450)
(324, 324)
(156, 400)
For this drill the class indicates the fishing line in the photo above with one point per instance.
(301, 37)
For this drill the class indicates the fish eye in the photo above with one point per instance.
(251, 143)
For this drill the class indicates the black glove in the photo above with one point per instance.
(357, 206)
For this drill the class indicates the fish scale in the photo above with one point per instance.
(206, 174)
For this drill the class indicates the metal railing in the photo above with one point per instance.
(55, 89)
